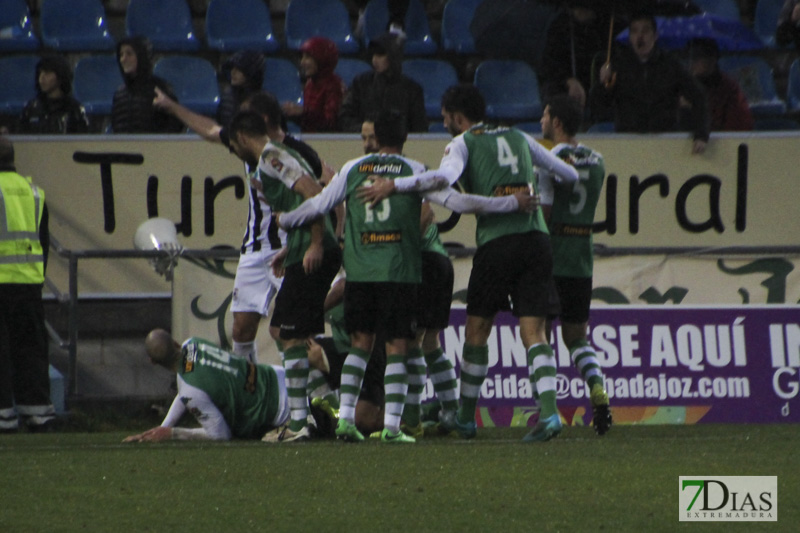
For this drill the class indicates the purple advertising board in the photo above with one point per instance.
(662, 365)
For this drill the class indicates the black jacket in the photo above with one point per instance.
(132, 110)
(45, 115)
(372, 92)
(645, 96)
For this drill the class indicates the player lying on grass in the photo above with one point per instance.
(228, 395)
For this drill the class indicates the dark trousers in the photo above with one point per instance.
(24, 377)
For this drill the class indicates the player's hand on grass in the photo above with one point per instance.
(312, 259)
(156, 434)
(378, 189)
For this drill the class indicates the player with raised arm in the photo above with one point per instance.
(513, 260)
(383, 262)
(312, 256)
(569, 210)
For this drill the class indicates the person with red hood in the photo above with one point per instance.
(323, 90)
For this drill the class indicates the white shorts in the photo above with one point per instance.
(255, 285)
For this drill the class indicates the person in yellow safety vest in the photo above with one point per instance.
(24, 241)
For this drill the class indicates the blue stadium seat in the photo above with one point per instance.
(602, 127)
(194, 81)
(793, 86)
(435, 76)
(96, 79)
(419, 40)
(456, 18)
(283, 80)
(18, 73)
(510, 88)
(765, 21)
(233, 25)
(348, 68)
(776, 124)
(16, 27)
(325, 18)
(167, 23)
(75, 26)
(755, 79)
(721, 8)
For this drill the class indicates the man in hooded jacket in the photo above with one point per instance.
(132, 110)
(384, 88)
(245, 72)
(54, 110)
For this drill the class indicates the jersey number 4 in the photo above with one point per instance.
(505, 157)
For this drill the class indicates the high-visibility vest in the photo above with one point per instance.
(21, 206)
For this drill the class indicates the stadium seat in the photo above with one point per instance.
(167, 23)
(456, 18)
(793, 86)
(435, 76)
(776, 124)
(601, 127)
(18, 73)
(283, 80)
(96, 79)
(326, 18)
(233, 25)
(510, 88)
(349, 68)
(75, 26)
(419, 40)
(765, 21)
(16, 27)
(721, 8)
(755, 79)
(194, 81)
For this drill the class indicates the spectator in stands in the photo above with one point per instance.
(25, 240)
(788, 30)
(576, 39)
(132, 109)
(384, 88)
(323, 89)
(245, 72)
(643, 85)
(727, 104)
(54, 110)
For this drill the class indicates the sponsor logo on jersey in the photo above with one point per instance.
(381, 237)
(380, 168)
(571, 230)
(510, 188)
(189, 358)
(276, 164)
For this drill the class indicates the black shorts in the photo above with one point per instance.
(436, 292)
(384, 308)
(575, 296)
(372, 389)
(512, 272)
(298, 306)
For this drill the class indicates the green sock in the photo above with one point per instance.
(415, 367)
(542, 373)
(296, 365)
(585, 360)
(474, 368)
(443, 376)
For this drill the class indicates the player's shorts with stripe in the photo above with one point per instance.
(384, 308)
(516, 268)
(255, 285)
(575, 296)
(435, 294)
(299, 304)
(372, 389)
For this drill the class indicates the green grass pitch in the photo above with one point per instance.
(625, 481)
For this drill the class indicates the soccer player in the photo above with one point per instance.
(569, 210)
(311, 257)
(514, 258)
(383, 262)
(228, 395)
(255, 284)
